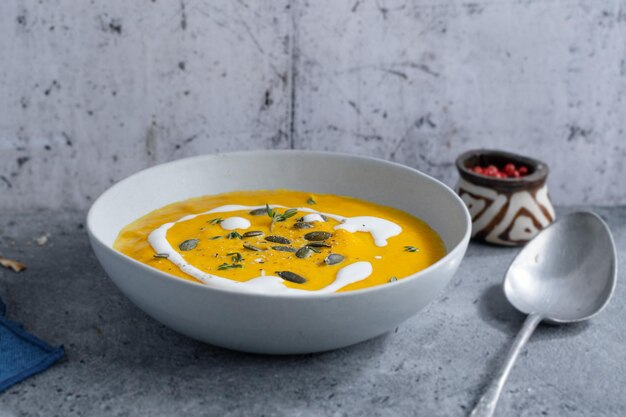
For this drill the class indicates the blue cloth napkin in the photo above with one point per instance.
(22, 354)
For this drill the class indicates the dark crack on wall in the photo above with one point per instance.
(394, 152)
(578, 132)
(22, 160)
(21, 19)
(368, 138)
(151, 142)
(425, 121)
(54, 86)
(354, 107)
(293, 75)
(277, 139)
(267, 99)
(396, 73)
(383, 11)
(363, 136)
(424, 68)
(114, 26)
(433, 164)
(283, 77)
(68, 139)
(474, 8)
(6, 181)
(183, 16)
(185, 142)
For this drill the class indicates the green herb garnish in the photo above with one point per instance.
(410, 249)
(161, 255)
(217, 220)
(393, 279)
(215, 237)
(279, 217)
(225, 266)
(311, 201)
(234, 235)
(236, 257)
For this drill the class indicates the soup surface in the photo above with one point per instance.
(282, 241)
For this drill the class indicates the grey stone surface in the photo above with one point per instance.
(122, 363)
(93, 91)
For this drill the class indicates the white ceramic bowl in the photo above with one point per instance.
(278, 324)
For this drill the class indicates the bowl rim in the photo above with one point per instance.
(450, 254)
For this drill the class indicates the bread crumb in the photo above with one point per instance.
(11, 264)
(43, 239)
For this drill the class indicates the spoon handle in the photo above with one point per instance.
(487, 404)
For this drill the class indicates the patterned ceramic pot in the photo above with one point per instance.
(505, 211)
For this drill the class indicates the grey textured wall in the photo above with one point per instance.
(93, 91)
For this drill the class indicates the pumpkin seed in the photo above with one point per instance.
(317, 236)
(284, 249)
(292, 277)
(252, 233)
(161, 255)
(304, 252)
(302, 225)
(319, 245)
(334, 259)
(252, 248)
(278, 239)
(325, 218)
(258, 212)
(188, 244)
(314, 249)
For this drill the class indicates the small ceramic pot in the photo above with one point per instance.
(505, 211)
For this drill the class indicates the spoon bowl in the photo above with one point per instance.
(564, 275)
(567, 273)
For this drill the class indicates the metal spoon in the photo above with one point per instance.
(566, 274)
